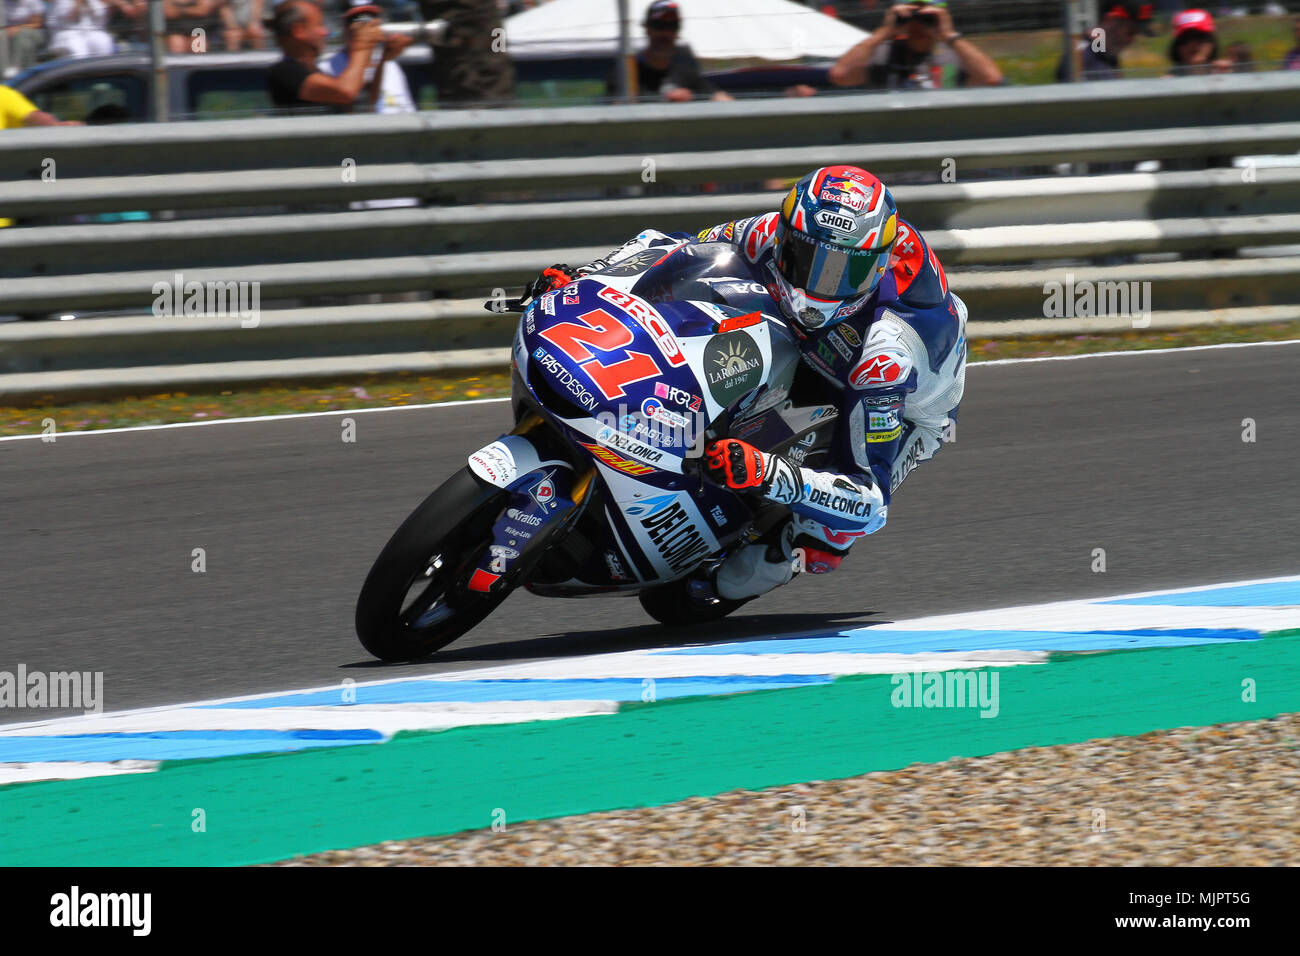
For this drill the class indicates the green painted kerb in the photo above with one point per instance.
(269, 808)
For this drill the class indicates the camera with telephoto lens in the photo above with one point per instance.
(921, 15)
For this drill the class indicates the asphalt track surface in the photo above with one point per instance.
(1141, 455)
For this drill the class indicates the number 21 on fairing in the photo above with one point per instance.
(604, 333)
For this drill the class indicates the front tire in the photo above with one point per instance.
(673, 604)
(414, 600)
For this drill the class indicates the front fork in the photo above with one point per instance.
(547, 497)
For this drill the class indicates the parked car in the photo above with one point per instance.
(229, 85)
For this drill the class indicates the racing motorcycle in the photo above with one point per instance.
(619, 381)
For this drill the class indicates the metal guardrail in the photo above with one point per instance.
(507, 191)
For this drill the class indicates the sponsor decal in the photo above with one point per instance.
(841, 345)
(910, 460)
(548, 303)
(566, 379)
(748, 428)
(854, 306)
(819, 363)
(523, 517)
(846, 192)
(759, 236)
(615, 461)
(883, 401)
(571, 295)
(650, 320)
(637, 262)
(850, 335)
(544, 492)
(495, 463)
(501, 555)
(840, 504)
(675, 536)
(719, 516)
(882, 421)
(836, 221)
(739, 322)
(678, 396)
(884, 436)
(516, 533)
(880, 369)
(824, 352)
(628, 445)
(615, 566)
(655, 410)
(824, 412)
(733, 365)
(797, 454)
(729, 231)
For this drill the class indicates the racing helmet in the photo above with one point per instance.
(832, 244)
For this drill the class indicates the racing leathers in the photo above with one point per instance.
(894, 371)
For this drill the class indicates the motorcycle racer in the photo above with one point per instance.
(881, 335)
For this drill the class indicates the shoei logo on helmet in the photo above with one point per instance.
(835, 220)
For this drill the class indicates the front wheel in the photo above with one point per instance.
(415, 600)
(674, 604)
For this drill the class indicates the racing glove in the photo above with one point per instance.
(556, 277)
(837, 501)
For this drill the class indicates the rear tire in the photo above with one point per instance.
(442, 541)
(674, 605)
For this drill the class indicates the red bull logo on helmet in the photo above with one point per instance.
(846, 192)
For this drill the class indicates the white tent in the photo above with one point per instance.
(715, 29)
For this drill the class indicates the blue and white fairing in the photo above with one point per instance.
(635, 385)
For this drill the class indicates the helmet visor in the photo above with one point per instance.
(825, 270)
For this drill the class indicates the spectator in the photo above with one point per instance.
(1099, 51)
(25, 27)
(385, 89)
(17, 111)
(242, 20)
(80, 27)
(183, 17)
(665, 67)
(902, 52)
(1194, 49)
(296, 82)
(1239, 58)
(1292, 60)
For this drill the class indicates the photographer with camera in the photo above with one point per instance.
(385, 89)
(903, 52)
(296, 81)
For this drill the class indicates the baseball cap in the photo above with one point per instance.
(663, 13)
(1140, 13)
(1193, 20)
(356, 9)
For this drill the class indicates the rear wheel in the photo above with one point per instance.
(675, 605)
(415, 599)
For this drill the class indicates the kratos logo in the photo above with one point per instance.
(877, 370)
(523, 517)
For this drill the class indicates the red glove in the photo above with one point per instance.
(556, 277)
(737, 464)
